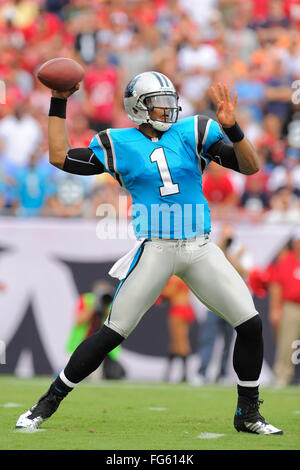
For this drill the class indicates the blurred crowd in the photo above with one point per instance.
(252, 46)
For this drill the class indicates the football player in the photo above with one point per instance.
(160, 162)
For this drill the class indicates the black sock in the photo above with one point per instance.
(248, 392)
(59, 388)
(248, 350)
(90, 353)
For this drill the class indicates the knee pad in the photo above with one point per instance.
(251, 328)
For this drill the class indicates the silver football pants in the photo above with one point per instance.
(200, 263)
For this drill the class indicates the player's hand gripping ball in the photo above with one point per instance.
(61, 74)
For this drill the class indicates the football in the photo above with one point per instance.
(60, 74)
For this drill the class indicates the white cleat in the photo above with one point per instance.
(248, 419)
(24, 422)
(42, 410)
(262, 428)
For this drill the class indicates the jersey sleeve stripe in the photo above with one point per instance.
(109, 153)
(107, 150)
(104, 151)
(113, 153)
(203, 123)
(199, 131)
(117, 175)
(206, 132)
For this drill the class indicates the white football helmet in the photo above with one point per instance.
(147, 91)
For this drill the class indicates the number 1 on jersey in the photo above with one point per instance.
(158, 156)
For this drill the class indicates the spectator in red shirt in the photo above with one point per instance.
(260, 10)
(218, 189)
(101, 86)
(285, 310)
(44, 28)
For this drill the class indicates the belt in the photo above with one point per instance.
(203, 237)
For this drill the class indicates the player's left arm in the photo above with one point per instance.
(241, 156)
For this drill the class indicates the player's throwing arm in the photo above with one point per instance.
(59, 142)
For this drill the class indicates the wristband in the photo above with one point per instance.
(58, 107)
(234, 133)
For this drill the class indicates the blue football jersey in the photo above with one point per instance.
(163, 176)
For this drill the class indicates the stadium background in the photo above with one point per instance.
(49, 250)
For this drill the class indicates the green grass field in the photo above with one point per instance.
(138, 416)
